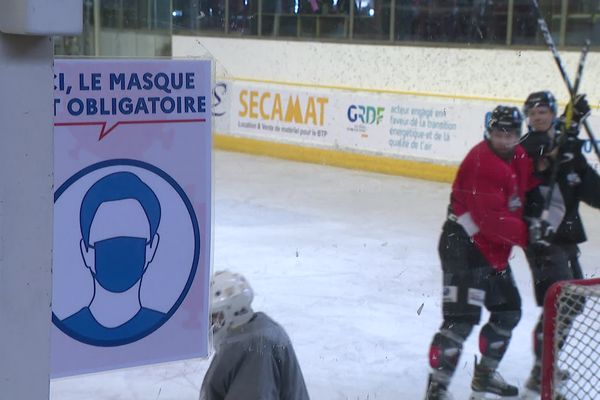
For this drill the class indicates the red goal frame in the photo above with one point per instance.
(550, 315)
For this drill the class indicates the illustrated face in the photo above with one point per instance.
(540, 118)
(120, 247)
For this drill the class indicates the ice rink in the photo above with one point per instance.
(347, 262)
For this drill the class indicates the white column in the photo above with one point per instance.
(26, 193)
(26, 203)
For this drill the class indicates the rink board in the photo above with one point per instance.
(420, 135)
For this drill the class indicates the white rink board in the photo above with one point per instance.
(428, 128)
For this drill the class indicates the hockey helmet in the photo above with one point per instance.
(231, 296)
(504, 117)
(536, 99)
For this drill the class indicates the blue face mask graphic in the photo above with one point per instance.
(120, 262)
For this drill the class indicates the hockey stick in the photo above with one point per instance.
(568, 119)
(552, 46)
(584, 52)
(578, 75)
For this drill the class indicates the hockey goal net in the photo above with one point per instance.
(571, 353)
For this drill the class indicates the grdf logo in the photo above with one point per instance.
(365, 114)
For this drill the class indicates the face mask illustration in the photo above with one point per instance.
(120, 262)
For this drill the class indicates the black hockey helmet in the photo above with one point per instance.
(504, 117)
(536, 99)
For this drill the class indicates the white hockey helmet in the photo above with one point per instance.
(231, 298)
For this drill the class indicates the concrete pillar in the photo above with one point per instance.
(26, 203)
(26, 193)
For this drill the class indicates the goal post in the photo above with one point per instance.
(571, 345)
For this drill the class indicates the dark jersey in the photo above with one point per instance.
(576, 180)
(492, 191)
(255, 362)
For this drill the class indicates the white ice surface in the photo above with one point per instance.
(344, 260)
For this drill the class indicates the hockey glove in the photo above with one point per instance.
(564, 130)
(581, 108)
(540, 232)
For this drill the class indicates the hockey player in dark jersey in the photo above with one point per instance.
(555, 256)
(254, 358)
(484, 223)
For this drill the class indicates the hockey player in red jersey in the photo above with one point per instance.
(484, 223)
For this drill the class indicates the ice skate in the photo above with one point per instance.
(533, 385)
(489, 384)
(437, 391)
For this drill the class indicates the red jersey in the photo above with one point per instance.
(493, 191)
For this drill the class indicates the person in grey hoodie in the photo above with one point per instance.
(254, 357)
